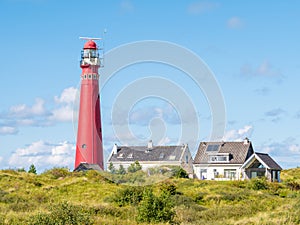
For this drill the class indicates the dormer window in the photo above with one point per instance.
(220, 157)
(121, 155)
(161, 156)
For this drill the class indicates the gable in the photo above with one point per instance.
(261, 160)
(223, 152)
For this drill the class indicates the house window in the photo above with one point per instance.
(212, 148)
(172, 157)
(121, 155)
(203, 174)
(161, 156)
(216, 173)
(130, 156)
(218, 158)
(186, 159)
(257, 174)
(230, 173)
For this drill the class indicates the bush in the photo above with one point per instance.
(258, 184)
(168, 187)
(63, 213)
(155, 209)
(129, 196)
(179, 172)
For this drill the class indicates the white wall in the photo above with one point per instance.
(213, 169)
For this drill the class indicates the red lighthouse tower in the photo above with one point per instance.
(89, 148)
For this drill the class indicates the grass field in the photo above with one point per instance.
(58, 196)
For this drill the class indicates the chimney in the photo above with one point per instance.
(246, 141)
(150, 145)
(115, 149)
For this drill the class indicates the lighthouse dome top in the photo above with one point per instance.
(90, 45)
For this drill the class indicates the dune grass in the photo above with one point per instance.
(91, 198)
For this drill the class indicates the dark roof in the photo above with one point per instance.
(86, 166)
(142, 153)
(268, 161)
(238, 152)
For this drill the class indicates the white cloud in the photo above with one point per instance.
(201, 7)
(142, 116)
(67, 96)
(63, 114)
(234, 23)
(286, 152)
(238, 135)
(22, 110)
(64, 110)
(6, 130)
(43, 155)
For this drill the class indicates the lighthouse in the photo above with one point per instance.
(89, 147)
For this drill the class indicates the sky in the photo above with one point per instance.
(247, 52)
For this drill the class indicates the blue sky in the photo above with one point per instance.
(252, 48)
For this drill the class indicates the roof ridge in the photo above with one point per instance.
(261, 153)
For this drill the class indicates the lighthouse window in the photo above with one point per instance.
(93, 53)
(90, 76)
(95, 76)
(83, 146)
(84, 76)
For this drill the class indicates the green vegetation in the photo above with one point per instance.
(59, 196)
(32, 169)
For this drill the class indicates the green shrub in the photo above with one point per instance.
(179, 172)
(168, 187)
(155, 209)
(63, 213)
(258, 184)
(130, 195)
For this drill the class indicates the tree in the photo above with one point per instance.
(32, 169)
(134, 167)
(111, 168)
(179, 172)
(121, 170)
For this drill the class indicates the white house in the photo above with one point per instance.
(233, 161)
(152, 156)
